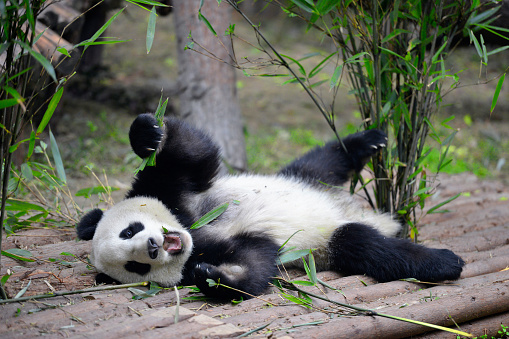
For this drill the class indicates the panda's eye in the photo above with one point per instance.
(131, 230)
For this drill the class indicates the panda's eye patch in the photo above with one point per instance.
(131, 230)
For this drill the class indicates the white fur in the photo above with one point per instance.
(280, 206)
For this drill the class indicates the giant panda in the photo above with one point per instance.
(147, 236)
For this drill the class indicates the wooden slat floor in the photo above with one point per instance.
(477, 228)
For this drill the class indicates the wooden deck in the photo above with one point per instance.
(477, 229)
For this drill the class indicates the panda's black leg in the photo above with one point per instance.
(187, 159)
(244, 263)
(359, 249)
(330, 164)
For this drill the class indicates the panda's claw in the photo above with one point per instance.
(374, 146)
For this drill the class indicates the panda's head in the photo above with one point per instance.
(137, 240)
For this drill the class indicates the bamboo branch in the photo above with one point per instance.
(62, 293)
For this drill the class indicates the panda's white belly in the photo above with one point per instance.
(277, 206)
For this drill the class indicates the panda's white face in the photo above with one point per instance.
(140, 240)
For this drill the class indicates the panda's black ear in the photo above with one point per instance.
(87, 225)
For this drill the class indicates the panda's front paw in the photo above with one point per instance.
(211, 280)
(363, 145)
(145, 135)
(373, 140)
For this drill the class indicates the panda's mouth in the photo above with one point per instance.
(172, 243)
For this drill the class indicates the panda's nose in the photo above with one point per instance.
(153, 248)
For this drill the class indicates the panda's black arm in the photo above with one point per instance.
(187, 159)
(330, 164)
(359, 249)
(245, 262)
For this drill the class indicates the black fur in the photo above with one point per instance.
(137, 267)
(331, 165)
(102, 278)
(88, 223)
(359, 249)
(187, 161)
(131, 230)
(255, 254)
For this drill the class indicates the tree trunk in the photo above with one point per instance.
(207, 92)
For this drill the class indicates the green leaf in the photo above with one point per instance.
(151, 29)
(40, 58)
(90, 191)
(306, 5)
(22, 206)
(8, 103)
(476, 43)
(20, 252)
(210, 216)
(57, 158)
(26, 171)
(325, 6)
(334, 81)
(23, 290)
(301, 68)
(291, 256)
(8, 253)
(50, 110)
(497, 92)
(207, 23)
(147, 2)
(296, 300)
(99, 32)
(320, 65)
(436, 207)
(31, 144)
(64, 51)
(311, 271)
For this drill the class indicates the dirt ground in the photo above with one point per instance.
(477, 227)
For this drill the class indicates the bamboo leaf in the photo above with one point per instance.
(57, 158)
(325, 6)
(151, 28)
(436, 207)
(497, 92)
(99, 32)
(334, 81)
(312, 268)
(50, 110)
(210, 216)
(64, 51)
(301, 68)
(90, 191)
(320, 65)
(476, 43)
(8, 103)
(22, 206)
(291, 256)
(306, 5)
(23, 290)
(40, 59)
(147, 2)
(13, 254)
(207, 23)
